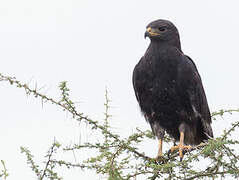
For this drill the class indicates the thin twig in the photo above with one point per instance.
(48, 161)
(208, 174)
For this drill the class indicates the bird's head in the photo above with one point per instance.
(162, 31)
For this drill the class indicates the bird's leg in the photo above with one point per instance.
(160, 149)
(159, 132)
(180, 146)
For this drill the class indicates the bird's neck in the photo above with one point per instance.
(162, 49)
(157, 48)
(165, 44)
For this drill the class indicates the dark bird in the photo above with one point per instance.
(169, 90)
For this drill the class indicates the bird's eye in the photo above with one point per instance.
(162, 29)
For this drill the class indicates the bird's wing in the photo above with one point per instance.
(196, 94)
(136, 89)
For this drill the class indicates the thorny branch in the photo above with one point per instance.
(49, 155)
(120, 159)
(70, 108)
(208, 174)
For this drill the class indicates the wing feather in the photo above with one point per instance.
(197, 96)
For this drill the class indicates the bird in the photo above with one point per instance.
(169, 90)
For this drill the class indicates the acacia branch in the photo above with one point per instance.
(222, 112)
(62, 104)
(209, 174)
(114, 147)
(49, 155)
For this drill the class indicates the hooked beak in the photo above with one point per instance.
(147, 34)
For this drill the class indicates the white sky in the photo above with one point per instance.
(94, 44)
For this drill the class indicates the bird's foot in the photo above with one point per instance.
(181, 148)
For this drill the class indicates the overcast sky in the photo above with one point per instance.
(94, 45)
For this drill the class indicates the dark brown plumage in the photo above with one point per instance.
(169, 89)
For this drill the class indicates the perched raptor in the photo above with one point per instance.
(169, 90)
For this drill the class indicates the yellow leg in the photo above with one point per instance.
(181, 146)
(160, 149)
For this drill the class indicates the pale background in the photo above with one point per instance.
(94, 45)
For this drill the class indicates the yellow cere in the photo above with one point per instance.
(149, 29)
